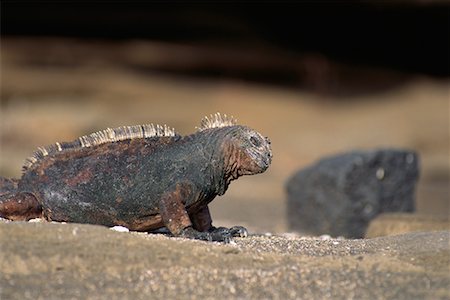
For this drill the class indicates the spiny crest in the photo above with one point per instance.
(101, 137)
(215, 121)
(125, 133)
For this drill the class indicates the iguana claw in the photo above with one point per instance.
(216, 234)
(235, 231)
(238, 231)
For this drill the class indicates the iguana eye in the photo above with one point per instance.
(256, 142)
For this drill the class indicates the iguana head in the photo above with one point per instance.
(243, 150)
(249, 151)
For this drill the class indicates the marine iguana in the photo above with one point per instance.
(142, 177)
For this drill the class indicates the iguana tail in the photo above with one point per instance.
(15, 205)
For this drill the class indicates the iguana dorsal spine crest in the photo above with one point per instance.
(215, 121)
(101, 137)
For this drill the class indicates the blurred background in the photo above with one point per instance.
(317, 78)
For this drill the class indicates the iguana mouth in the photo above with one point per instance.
(266, 160)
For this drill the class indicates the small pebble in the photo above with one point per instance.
(380, 174)
(120, 229)
(36, 220)
(291, 235)
(325, 237)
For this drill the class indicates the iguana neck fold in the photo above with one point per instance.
(226, 155)
(212, 147)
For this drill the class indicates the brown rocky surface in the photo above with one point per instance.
(73, 261)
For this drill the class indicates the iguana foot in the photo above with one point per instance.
(235, 231)
(213, 236)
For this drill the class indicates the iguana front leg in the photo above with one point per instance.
(176, 219)
(202, 221)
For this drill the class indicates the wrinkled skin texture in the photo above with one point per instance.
(142, 184)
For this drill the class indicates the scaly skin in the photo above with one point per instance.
(142, 184)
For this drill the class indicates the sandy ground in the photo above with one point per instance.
(73, 261)
(55, 91)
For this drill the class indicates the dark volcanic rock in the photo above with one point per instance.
(340, 195)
